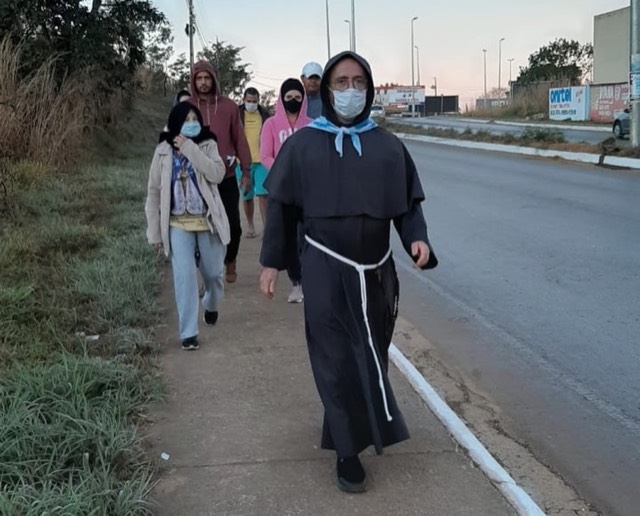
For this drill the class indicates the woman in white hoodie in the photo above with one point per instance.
(185, 215)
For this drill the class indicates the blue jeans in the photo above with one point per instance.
(185, 278)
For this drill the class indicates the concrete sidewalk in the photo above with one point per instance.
(242, 426)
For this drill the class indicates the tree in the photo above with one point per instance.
(233, 75)
(268, 100)
(179, 73)
(159, 49)
(497, 93)
(106, 37)
(561, 60)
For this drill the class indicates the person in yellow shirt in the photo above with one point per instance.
(253, 116)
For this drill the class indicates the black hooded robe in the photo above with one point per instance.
(347, 204)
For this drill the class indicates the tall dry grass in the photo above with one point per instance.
(43, 118)
(529, 102)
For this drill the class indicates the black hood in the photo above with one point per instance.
(327, 108)
(177, 118)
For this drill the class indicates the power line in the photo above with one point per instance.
(270, 86)
(200, 36)
(258, 72)
(204, 16)
(203, 10)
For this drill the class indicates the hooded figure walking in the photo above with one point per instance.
(346, 180)
(222, 117)
(289, 118)
(185, 214)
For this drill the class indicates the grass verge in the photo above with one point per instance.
(540, 138)
(78, 291)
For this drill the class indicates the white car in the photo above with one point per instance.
(377, 111)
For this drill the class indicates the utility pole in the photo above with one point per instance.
(634, 76)
(328, 34)
(413, 81)
(484, 50)
(353, 25)
(435, 86)
(500, 66)
(191, 31)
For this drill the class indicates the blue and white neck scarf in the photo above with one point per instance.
(323, 124)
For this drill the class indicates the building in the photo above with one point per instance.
(611, 63)
(611, 46)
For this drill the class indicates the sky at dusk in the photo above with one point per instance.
(279, 36)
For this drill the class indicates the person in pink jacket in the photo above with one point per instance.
(290, 116)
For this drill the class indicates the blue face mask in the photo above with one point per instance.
(191, 129)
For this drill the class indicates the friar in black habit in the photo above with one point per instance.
(346, 180)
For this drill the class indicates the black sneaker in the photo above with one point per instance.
(190, 344)
(210, 318)
(351, 475)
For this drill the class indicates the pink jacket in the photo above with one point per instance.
(277, 129)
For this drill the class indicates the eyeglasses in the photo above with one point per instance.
(342, 83)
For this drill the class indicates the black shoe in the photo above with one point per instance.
(190, 344)
(351, 475)
(210, 318)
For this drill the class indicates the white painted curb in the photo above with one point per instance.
(582, 157)
(514, 494)
(593, 128)
(486, 121)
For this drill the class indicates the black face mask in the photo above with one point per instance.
(293, 105)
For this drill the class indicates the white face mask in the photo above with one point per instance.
(251, 106)
(348, 104)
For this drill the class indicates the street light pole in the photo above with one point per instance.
(484, 50)
(635, 75)
(413, 82)
(500, 66)
(328, 33)
(353, 25)
(418, 62)
(349, 23)
(510, 81)
(435, 86)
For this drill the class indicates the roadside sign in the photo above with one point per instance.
(634, 86)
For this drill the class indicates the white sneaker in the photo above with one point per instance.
(296, 295)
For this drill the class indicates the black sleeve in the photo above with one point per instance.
(280, 234)
(412, 226)
(282, 183)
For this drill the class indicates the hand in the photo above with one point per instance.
(268, 280)
(157, 247)
(245, 183)
(420, 252)
(179, 140)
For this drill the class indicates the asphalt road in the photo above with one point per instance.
(537, 302)
(576, 135)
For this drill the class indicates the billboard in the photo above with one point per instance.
(399, 97)
(441, 104)
(570, 103)
(608, 101)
